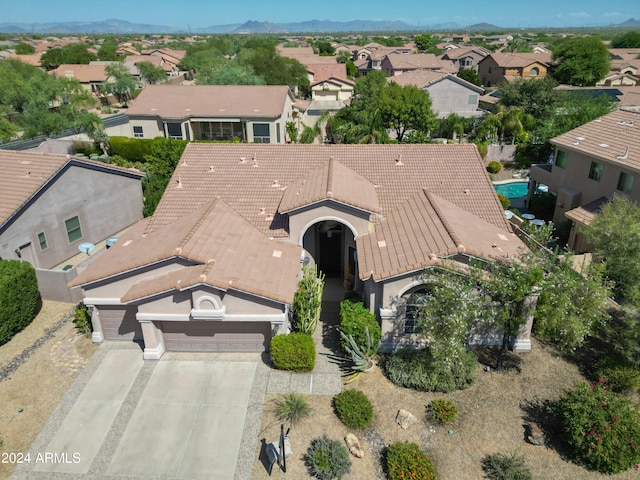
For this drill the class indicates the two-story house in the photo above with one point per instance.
(396, 64)
(503, 67)
(592, 163)
(466, 58)
(250, 113)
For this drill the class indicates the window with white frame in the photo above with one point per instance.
(261, 133)
(42, 240)
(74, 230)
(413, 306)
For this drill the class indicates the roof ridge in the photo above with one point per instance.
(330, 176)
(454, 236)
(198, 223)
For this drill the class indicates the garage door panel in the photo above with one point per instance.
(197, 336)
(120, 324)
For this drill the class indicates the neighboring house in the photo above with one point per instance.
(625, 68)
(330, 87)
(371, 57)
(91, 77)
(449, 94)
(51, 204)
(504, 67)
(34, 59)
(170, 57)
(251, 113)
(592, 163)
(397, 63)
(217, 266)
(466, 57)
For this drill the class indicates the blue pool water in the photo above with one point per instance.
(513, 189)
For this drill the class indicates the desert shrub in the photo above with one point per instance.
(618, 374)
(354, 318)
(601, 428)
(353, 408)
(327, 459)
(19, 297)
(494, 167)
(82, 319)
(295, 351)
(417, 369)
(292, 407)
(307, 301)
(506, 466)
(442, 411)
(504, 201)
(406, 460)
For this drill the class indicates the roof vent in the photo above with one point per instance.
(580, 138)
(268, 218)
(399, 160)
(382, 243)
(276, 184)
(27, 173)
(263, 211)
(179, 182)
(603, 145)
(329, 194)
(598, 120)
(254, 158)
(623, 157)
(243, 159)
(211, 169)
(467, 191)
(277, 253)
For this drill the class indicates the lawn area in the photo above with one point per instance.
(491, 419)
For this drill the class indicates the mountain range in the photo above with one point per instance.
(113, 26)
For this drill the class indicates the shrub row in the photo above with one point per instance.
(19, 297)
(295, 351)
(417, 369)
(133, 149)
(354, 319)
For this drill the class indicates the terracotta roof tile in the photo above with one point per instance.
(613, 138)
(586, 213)
(424, 61)
(82, 73)
(520, 60)
(184, 101)
(425, 78)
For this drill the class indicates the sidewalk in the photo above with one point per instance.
(326, 377)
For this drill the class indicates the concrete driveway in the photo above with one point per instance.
(176, 418)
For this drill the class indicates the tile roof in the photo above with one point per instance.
(23, 174)
(461, 52)
(82, 73)
(324, 71)
(520, 60)
(228, 251)
(331, 181)
(255, 188)
(184, 101)
(424, 229)
(425, 78)
(33, 59)
(613, 138)
(427, 61)
(586, 213)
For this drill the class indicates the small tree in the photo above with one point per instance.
(307, 301)
(151, 73)
(120, 83)
(582, 61)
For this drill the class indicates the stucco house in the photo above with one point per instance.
(503, 67)
(397, 63)
(216, 267)
(590, 164)
(255, 114)
(91, 77)
(449, 93)
(466, 57)
(51, 204)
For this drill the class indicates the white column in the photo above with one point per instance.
(98, 335)
(153, 340)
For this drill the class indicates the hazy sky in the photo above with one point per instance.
(201, 13)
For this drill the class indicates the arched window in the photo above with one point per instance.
(535, 71)
(413, 305)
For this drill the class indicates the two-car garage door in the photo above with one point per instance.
(195, 336)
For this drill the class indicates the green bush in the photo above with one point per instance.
(618, 374)
(442, 411)
(308, 135)
(295, 351)
(504, 201)
(510, 466)
(133, 149)
(88, 148)
(542, 205)
(82, 319)
(353, 408)
(494, 167)
(417, 369)
(405, 460)
(601, 428)
(354, 318)
(19, 297)
(327, 459)
(292, 407)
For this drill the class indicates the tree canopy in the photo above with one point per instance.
(626, 40)
(581, 61)
(470, 76)
(40, 104)
(24, 49)
(76, 53)
(229, 73)
(151, 73)
(120, 82)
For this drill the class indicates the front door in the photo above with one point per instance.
(330, 253)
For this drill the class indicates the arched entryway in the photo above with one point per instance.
(332, 245)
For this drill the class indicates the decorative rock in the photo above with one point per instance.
(405, 419)
(354, 445)
(535, 435)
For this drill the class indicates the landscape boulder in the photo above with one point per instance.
(405, 419)
(354, 445)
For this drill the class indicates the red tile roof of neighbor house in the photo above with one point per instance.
(425, 61)
(82, 73)
(24, 174)
(520, 60)
(465, 51)
(322, 71)
(34, 59)
(225, 250)
(185, 101)
(613, 138)
(425, 78)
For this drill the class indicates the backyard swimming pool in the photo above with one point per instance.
(513, 189)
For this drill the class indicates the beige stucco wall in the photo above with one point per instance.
(151, 127)
(448, 96)
(301, 220)
(105, 203)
